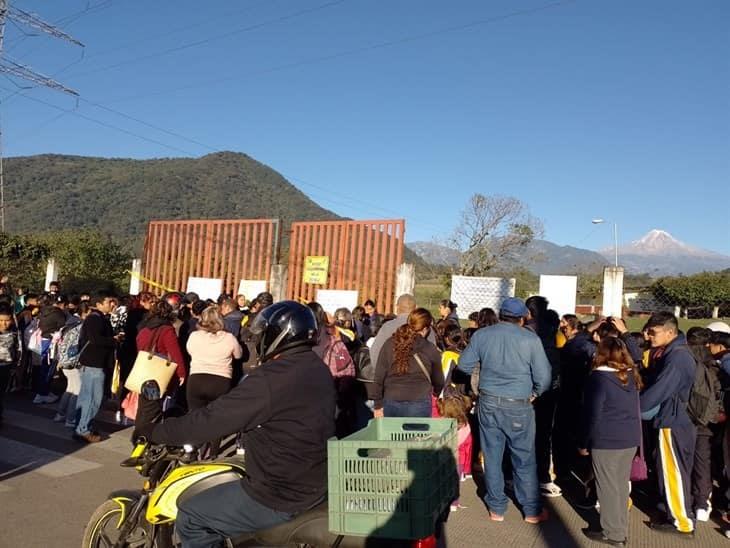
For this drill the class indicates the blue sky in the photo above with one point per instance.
(404, 108)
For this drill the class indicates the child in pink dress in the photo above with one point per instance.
(457, 407)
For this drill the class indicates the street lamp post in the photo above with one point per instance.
(615, 238)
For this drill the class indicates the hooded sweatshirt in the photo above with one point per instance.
(610, 412)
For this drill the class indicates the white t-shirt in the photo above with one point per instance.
(212, 353)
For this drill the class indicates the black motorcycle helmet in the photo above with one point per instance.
(282, 326)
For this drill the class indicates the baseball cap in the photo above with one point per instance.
(721, 327)
(514, 307)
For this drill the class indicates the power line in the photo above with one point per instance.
(282, 67)
(9, 67)
(74, 112)
(354, 51)
(203, 41)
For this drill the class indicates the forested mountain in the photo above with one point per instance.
(120, 196)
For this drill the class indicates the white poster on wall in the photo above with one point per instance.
(560, 291)
(332, 299)
(472, 293)
(206, 288)
(251, 288)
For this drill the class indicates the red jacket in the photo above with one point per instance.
(167, 345)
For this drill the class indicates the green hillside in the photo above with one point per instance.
(120, 196)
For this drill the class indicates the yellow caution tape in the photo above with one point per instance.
(150, 282)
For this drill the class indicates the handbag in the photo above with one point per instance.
(151, 367)
(130, 405)
(639, 470)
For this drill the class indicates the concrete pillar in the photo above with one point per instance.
(51, 273)
(278, 281)
(135, 283)
(613, 291)
(405, 280)
(715, 312)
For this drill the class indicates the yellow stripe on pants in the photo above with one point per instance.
(673, 487)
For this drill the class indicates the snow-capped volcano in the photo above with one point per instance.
(658, 253)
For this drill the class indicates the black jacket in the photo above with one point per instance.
(97, 330)
(286, 411)
(51, 319)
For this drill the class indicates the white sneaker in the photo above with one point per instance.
(39, 399)
(51, 398)
(59, 418)
(702, 514)
(550, 490)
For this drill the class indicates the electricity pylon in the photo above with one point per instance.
(13, 68)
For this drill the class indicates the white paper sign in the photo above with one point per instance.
(472, 293)
(206, 288)
(332, 299)
(560, 291)
(251, 288)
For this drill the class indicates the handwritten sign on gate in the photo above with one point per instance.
(316, 269)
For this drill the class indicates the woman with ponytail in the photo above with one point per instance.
(612, 433)
(408, 372)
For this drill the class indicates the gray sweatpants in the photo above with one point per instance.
(612, 468)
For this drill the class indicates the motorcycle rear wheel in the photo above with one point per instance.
(102, 531)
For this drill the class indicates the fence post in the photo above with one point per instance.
(405, 280)
(51, 273)
(277, 281)
(613, 291)
(135, 283)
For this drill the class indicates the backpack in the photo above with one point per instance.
(33, 338)
(68, 347)
(705, 403)
(338, 359)
(363, 365)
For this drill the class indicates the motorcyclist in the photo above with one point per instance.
(285, 410)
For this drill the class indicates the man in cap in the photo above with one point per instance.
(514, 371)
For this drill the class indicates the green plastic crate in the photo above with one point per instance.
(393, 478)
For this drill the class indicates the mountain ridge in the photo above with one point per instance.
(658, 253)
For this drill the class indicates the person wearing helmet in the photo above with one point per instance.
(285, 410)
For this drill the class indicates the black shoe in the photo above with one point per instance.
(667, 527)
(598, 536)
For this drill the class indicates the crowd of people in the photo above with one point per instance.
(540, 401)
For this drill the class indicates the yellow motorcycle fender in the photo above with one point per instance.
(162, 506)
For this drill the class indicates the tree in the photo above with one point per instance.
(87, 260)
(491, 229)
(22, 260)
(706, 289)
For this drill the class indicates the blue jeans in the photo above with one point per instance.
(90, 396)
(206, 519)
(415, 408)
(511, 424)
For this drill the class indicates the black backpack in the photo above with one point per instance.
(364, 368)
(705, 401)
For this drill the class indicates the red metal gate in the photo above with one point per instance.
(363, 256)
(230, 250)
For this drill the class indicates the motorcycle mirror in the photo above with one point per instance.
(151, 390)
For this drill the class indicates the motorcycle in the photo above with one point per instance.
(145, 518)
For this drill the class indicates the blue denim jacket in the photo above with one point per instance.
(513, 362)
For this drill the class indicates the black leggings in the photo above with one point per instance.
(204, 388)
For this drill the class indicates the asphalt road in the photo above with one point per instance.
(50, 485)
